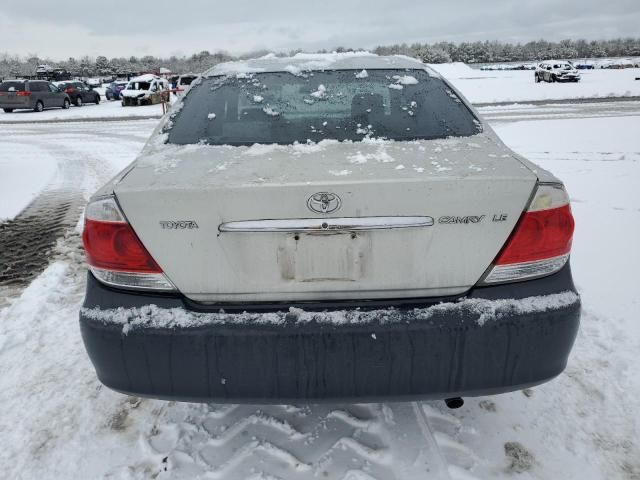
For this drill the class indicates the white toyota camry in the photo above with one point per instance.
(339, 226)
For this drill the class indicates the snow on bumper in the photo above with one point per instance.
(164, 347)
(476, 310)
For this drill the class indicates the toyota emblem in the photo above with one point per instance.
(324, 202)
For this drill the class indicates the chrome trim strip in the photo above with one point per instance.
(349, 224)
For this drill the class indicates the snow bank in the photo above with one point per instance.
(152, 316)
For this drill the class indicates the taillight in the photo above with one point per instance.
(541, 240)
(114, 252)
(23, 93)
(69, 90)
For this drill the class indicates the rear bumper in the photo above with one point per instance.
(412, 351)
(25, 104)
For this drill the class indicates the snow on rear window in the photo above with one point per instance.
(284, 108)
(405, 79)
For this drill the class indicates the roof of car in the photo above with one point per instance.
(147, 77)
(317, 61)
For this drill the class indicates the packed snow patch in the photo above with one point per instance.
(380, 155)
(320, 93)
(259, 149)
(405, 79)
(270, 111)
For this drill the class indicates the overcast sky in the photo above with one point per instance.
(60, 29)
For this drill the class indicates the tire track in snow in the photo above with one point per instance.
(27, 241)
(377, 441)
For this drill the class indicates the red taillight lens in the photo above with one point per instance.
(22, 93)
(539, 235)
(114, 252)
(69, 90)
(540, 243)
(114, 246)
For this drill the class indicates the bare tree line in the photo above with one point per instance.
(441, 52)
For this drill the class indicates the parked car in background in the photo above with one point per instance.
(34, 95)
(146, 89)
(184, 81)
(44, 69)
(617, 64)
(318, 268)
(94, 82)
(79, 93)
(114, 89)
(556, 72)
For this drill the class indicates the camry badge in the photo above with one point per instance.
(324, 202)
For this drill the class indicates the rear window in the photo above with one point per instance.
(12, 86)
(343, 105)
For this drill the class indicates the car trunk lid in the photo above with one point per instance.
(397, 220)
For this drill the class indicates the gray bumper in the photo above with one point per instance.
(399, 354)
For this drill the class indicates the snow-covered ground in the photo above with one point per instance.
(105, 109)
(18, 188)
(58, 422)
(518, 86)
